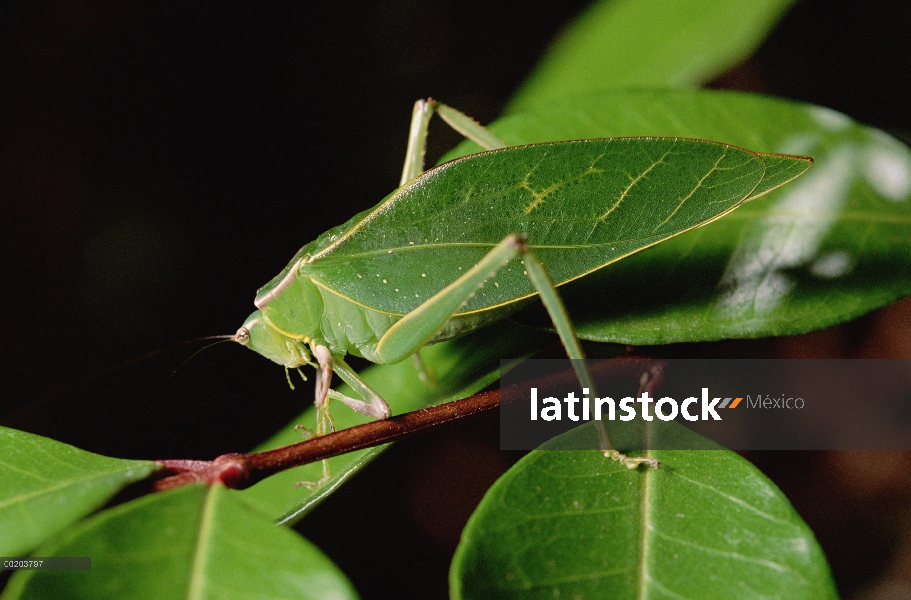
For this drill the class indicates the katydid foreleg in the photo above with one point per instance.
(327, 364)
(323, 357)
(374, 407)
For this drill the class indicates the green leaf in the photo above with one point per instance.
(573, 524)
(462, 367)
(192, 542)
(649, 43)
(46, 486)
(820, 251)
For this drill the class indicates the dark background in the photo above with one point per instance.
(160, 162)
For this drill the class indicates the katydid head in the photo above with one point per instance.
(259, 335)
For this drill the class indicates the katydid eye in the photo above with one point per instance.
(242, 336)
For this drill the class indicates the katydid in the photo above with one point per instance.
(469, 242)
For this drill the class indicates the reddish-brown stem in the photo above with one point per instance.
(243, 470)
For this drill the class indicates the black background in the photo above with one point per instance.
(161, 161)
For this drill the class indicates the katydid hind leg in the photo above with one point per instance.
(417, 327)
(417, 134)
(470, 128)
(557, 311)
(417, 141)
(560, 318)
(550, 298)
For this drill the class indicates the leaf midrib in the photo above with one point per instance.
(61, 485)
(197, 571)
(646, 528)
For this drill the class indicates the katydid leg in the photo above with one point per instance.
(470, 128)
(560, 318)
(417, 327)
(425, 373)
(557, 311)
(417, 141)
(309, 434)
(324, 422)
(417, 134)
(417, 148)
(374, 407)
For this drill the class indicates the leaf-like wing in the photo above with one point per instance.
(582, 204)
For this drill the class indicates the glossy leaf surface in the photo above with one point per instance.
(822, 250)
(649, 43)
(573, 524)
(582, 205)
(47, 485)
(193, 542)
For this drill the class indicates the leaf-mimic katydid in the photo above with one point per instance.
(468, 242)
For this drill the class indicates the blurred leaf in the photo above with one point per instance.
(825, 249)
(573, 524)
(462, 367)
(649, 43)
(46, 486)
(192, 542)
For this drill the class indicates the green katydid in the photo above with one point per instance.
(467, 243)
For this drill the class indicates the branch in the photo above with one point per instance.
(240, 471)
(243, 470)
